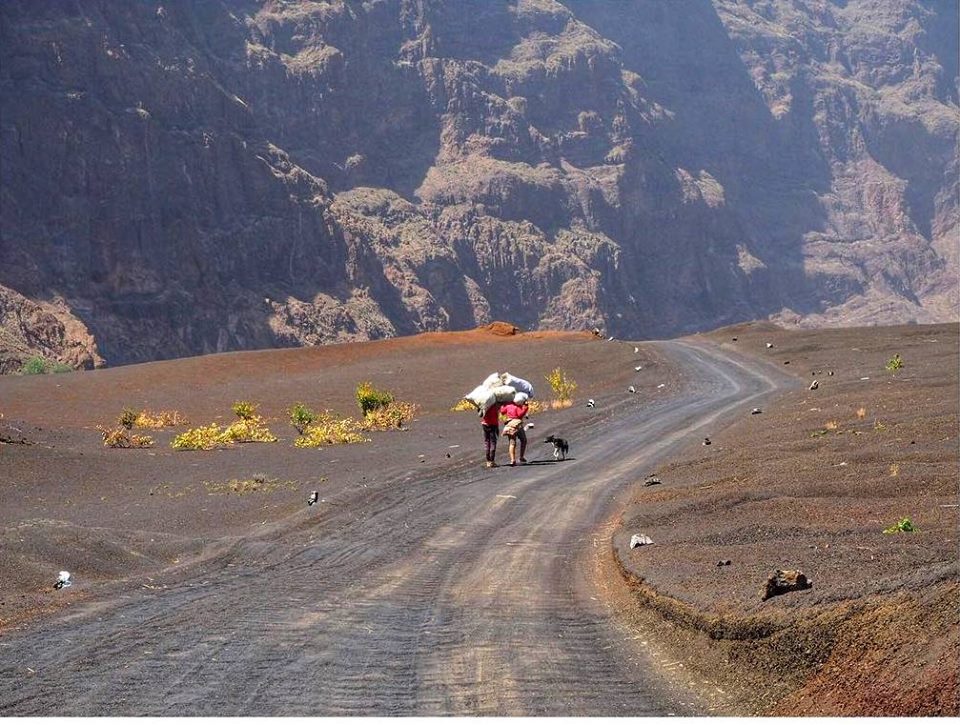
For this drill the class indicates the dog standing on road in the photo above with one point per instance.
(560, 447)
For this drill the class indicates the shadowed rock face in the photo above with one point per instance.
(181, 178)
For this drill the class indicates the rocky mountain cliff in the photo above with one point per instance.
(180, 177)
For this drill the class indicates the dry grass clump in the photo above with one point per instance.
(329, 430)
(390, 416)
(159, 419)
(861, 413)
(463, 405)
(248, 430)
(559, 404)
(535, 406)
(204, 438)
(831, 425)
(120, 437)
(256, 484)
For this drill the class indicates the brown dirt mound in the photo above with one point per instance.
(501, 328)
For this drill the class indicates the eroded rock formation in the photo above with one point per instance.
(193, 177)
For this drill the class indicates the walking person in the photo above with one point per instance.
(491, 431)
(515, 413)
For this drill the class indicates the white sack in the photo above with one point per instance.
(482, 397)
(504, 393)
(522, 386)
(520, 398)
(492, 381)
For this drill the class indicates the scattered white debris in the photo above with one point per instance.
(610, 339)
(63, 580)
(631, 389)
(528, 426)
(867, 378)
(756, 411)
(638, 368)
(591, 403)
(769, 345)
(314, 497)
(640, 540)
(636, 350)
(455, 446)
(814, 385)
(662, 385)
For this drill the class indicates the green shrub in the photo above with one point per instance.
(301, 417)
(41, 366)
(369, 398)
(903, 525)
(894, 363)
(34, 366)
(245, 410)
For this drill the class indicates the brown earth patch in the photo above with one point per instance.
(109, 514)
(811, 483)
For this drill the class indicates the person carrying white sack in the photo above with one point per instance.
(515, 412)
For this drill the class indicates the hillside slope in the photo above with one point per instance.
(183, 178)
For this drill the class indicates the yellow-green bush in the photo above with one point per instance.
(392, 415)
(464, 404)
(204, 438)
(562, 385)
(369, 398)
(248, 430)
(245, 410)
(328, 430)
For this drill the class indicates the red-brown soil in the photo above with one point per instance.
(811, 483)
(69, 503)
(877, 634)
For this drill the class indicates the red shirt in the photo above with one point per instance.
(492, 416)
(512, 410)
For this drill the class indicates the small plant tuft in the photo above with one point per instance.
(563, 386)
(894, 363)
(245, 410)
(369, 398)
(128, 418)
(121, 437)
(41, 366)
(328, 430)
(390, 416)
(464, 405)
(904, 525)
(301, 417)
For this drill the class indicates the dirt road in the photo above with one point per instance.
(458, 590)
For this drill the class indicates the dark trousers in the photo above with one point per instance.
(490, 435)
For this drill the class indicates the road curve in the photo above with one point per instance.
(461, 591)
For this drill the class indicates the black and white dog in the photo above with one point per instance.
(560, 447)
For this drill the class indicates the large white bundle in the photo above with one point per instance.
(481, 396)
(520, 384)
(492, 381)
(504, 393)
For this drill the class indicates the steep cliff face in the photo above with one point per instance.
(192, 177)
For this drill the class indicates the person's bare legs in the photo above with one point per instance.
(513, 451)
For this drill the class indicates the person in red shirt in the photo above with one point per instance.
(515, 412)
(491, 431)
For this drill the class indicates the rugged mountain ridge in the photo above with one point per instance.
(184, 178)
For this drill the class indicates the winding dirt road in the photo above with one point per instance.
(464, 591)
